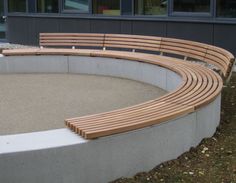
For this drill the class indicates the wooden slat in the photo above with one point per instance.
(71, 39)
(133, 42)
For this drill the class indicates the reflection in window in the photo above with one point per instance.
(150, 7)
(47, 6)
(2, 21)
(199, 6)
(226, 8)
(16, 5)
(106, 7)
(1, 7)
(76, 5)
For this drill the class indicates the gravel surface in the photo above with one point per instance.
(12, 46)
(34, 102)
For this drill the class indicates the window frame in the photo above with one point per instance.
(173, 13)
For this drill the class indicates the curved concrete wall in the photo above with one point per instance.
(61, 156)
(139, 71)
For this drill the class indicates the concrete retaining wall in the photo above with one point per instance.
(62, 157)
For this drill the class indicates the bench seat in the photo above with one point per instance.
(199, 87)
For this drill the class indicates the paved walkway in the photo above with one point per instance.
(42, 101)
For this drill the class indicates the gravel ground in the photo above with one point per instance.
(12, 46)
(34, 102)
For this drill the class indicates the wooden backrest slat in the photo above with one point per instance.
(150, 43)
(71, 39)
(219, 55)
(215, 58)
(203, 52)
(69, 44)
(72, 34)
(108, 36)
(132, 40)
(184, 48)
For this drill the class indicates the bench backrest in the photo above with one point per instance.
(71, 39)
(213, 55)
(223, 59)
(133, 42)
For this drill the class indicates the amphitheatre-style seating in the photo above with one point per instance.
(200, 85)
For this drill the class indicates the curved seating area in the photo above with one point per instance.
(200, 85)
(125, 141)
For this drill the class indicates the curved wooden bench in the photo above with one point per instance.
(199, 87)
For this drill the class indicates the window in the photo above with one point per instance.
(31, 6)
(192, 6)
(150, 7)
(106, 7)
(76, 5)
(16, 5)
(47, 6)
(2, 21)
(226, 8)
(1, 7)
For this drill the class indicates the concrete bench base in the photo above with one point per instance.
(61, 156)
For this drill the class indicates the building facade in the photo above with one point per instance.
(208, 21)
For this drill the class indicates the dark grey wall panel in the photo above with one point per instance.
(32, 34)
(149, 28)
(225, 36)
(191, 31)
(18, 30)
(105, 26)
(74, 25)
(46, 25)
(126, 27)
